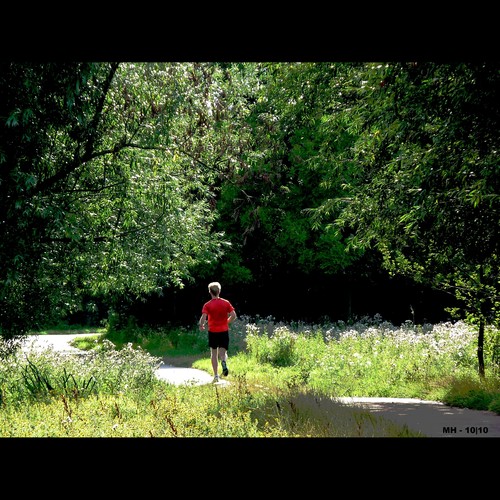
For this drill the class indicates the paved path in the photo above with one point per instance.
(430, 418)
(171, 374)
(58, 342)
(186, 376)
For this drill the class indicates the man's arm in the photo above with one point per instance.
(203, 321)
(231, 317)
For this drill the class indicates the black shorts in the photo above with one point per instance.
(218, 339)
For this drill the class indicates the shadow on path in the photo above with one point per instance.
(430, 418)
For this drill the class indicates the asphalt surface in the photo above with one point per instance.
(171, 374)
(429, 418)
(432, 418)
(186, 376)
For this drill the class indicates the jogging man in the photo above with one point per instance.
(218, 313)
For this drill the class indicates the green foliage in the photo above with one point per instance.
(180, 340)
(265, 206)
(425, 190)
(43, 383)
(157, 341)
(62, 326)
(474, 394)
(278, 350)
(47, 375)
(494, 404)
(492, 346)
(105, 169)
(369, 358)
(234, 272)
(114, 393)
(121, 180)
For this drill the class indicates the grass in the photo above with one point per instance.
(65, 328)
(285, 379)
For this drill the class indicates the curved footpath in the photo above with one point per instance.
(430, 418)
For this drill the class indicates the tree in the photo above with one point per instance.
(264, 205)
(103, 182)
(425, 189)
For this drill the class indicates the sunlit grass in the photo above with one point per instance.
(65, 328)
(285, 379)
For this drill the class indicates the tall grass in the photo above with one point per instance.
(372, 358)
(285, 379)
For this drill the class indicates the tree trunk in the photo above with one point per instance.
(480, 344)
(480, 335)
(349, 302)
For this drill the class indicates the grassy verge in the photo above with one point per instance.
(284, 381)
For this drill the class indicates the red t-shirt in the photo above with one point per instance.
(217, 311)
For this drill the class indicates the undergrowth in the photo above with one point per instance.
(285, 379)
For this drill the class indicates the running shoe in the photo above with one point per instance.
(225, 371)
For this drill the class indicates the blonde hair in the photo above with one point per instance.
(214, 287)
